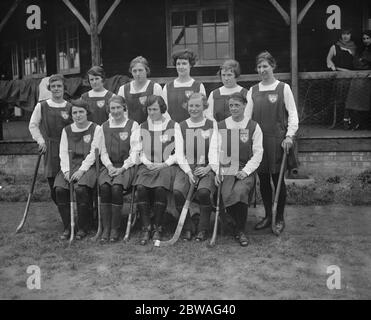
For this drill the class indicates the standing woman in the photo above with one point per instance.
(137, 91)
(156, 174)
(177, 92)
(98, 96)
(275, 111)
(82, 138)
(47, 121)
(118, 155)
(241, 151)
(218, 99)
(197, 133)
(340, 58)
(358, 102)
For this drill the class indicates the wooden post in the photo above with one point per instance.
(95, 42)
(294, 48)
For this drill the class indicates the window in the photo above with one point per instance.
(14, 56)
(34, 58)
(68, 53)
(205, 26)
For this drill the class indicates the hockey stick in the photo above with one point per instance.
(217, 211)
(25, 214)
(182, 218)
(129, 223)
(99, 230)
(277, 193)
(72, 201)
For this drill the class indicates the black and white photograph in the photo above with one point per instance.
(191, 152)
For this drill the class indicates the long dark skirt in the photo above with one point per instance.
(235, 190)
(160, 178)
(89, 178)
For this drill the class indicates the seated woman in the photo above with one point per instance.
(118, 155)
(218, 99)
(156, 174)
(176, 92)
(200, 155)
(358, 102)
(81, 138)
(98, 96)
(241, 150)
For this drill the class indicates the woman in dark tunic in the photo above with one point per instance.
(82, 138)
(98, 96)
(197, 133)
(118, 155)
(46, 124)
(156, 174)
(177, 92)
(275, 111)
(139, 89)
(240, 153)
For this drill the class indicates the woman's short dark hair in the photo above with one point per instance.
(185, 54)
(197, 95)
(141, 60)
(151, 99)
(346, 30)
(97, 71)
(80, 103)
(230, 64)
(56, 77)
(118, 99)
(238, 96)
(265, 55)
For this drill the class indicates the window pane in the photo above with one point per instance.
(208, 34)
(194, 48)
(191, 35)
(222, 50)
(178, 47)
(209, 51)
(208, 16)
(178, 36)
(221, 16)
(222, 34)
(177, 19)
(191, 18)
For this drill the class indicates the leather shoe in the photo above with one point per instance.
(187, 235)
(243, 240)
(265, 223)
(201, 236)
(280, 226)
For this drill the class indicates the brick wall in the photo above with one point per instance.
(313, 163)
(334, 163)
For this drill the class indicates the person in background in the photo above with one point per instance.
(274, 109)
(177, 92)
(340, 58)
(359, 96)
(139, 89)
(218, 99)
(98, 96)
(47, 121)
(82, 138)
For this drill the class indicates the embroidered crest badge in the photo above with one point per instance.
(164, 138)
(143, 100)
(273, 98)
(205, 134)
(64, 115)
(188, 93)
(123, 135)
(101, 103)
(87, 138)
(244, 135)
